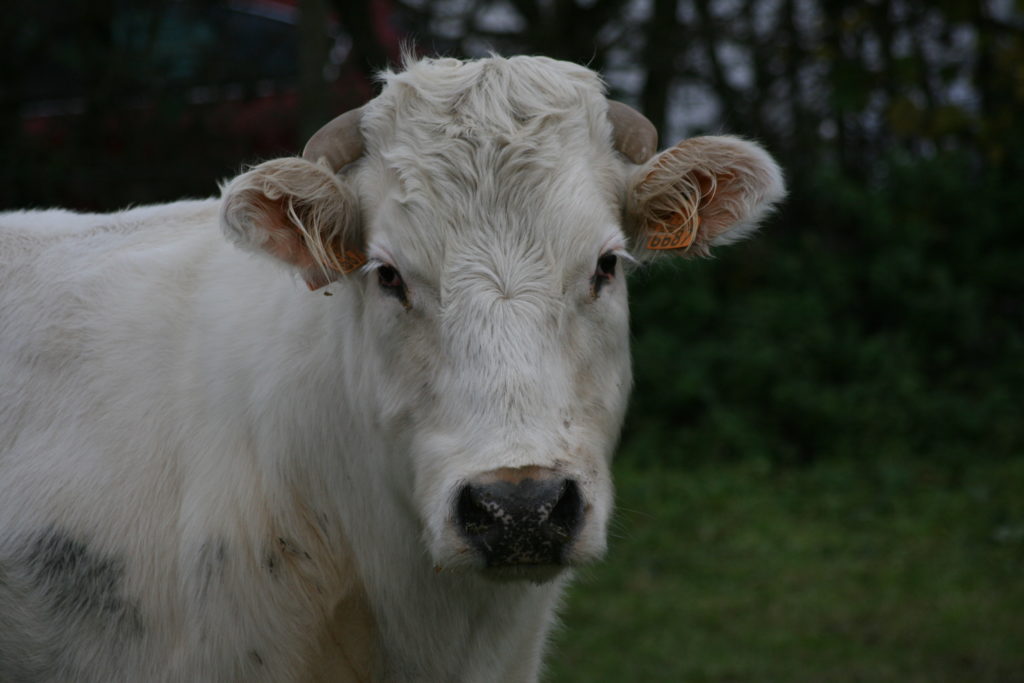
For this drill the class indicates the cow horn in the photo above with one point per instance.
(633, 135)
(339, 142)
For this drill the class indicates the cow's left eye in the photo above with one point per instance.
(392, 283)
(604, 273)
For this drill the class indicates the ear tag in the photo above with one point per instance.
(350, 260)
(670, 234)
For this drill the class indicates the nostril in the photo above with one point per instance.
(473, 514)
(568, 511)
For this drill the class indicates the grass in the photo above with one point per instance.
(899, 570)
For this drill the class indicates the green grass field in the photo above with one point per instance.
(838, 571)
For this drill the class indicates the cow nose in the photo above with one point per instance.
(521, 516)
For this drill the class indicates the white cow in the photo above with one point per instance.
(209, 472)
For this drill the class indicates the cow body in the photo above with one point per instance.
(209, 472)
(163, 519)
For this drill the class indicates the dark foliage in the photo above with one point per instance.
(882, 310)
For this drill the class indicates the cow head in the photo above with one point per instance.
(486, 213)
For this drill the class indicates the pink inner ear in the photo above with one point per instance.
(702, 204)
(721, 201)
(283, 239)
(674, 222)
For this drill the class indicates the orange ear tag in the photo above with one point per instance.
(350, 260)
(670, 235)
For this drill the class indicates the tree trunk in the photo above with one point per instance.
(313, 54)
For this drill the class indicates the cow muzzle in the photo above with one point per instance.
(520, 517)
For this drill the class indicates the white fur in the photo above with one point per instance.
(210, 473)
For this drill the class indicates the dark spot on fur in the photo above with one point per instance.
(321, 520)
(210, 562)
(282, 549)
(255, 656)
(289, 548)
(79, 583)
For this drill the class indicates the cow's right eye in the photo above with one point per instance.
(604, 272)
(392, 283)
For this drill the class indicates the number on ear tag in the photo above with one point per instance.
(670, 234)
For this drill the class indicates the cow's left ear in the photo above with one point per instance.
(704, 192)
(298, 212)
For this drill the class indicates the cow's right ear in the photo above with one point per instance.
(300, 213)
(704, 192)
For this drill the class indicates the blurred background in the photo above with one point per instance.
(822, 473)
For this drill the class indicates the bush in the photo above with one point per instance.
(879, 317)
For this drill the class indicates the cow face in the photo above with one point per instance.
(496, 222)
(500, 314)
